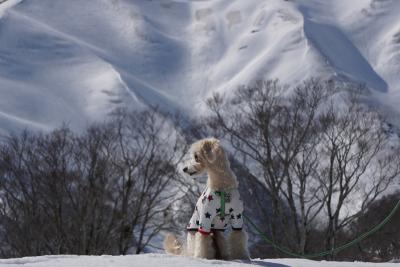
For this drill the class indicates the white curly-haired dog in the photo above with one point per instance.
(205, 237)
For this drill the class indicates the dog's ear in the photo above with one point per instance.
(210, 149)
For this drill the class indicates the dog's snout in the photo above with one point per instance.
(185, 169)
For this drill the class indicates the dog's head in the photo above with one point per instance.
(204, 154)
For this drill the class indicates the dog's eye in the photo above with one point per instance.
(196, 158)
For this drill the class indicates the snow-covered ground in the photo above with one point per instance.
(76, 61)
(161, 260)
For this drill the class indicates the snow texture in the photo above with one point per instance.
(150, 260)
(76, 61)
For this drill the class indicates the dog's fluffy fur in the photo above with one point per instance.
(209, 156)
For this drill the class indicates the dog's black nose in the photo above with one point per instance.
(185, 169)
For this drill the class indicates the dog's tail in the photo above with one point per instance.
(172, 245)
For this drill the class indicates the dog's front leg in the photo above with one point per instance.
(190, 243)
(222, 246)
(238, 245)
(204, 246)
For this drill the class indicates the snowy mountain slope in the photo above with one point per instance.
(78, 60)
(166, 260)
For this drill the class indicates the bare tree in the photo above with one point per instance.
(359, 163)
(91, 193)
(34, 169)
(274, 134)
(148, 152)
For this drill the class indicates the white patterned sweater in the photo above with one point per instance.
(207, 214)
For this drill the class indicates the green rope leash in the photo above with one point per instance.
(324, 253)
(222, 202)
